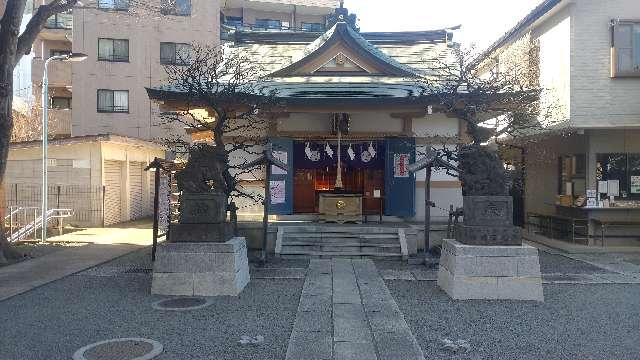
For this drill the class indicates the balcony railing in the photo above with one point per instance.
(260, 27)
(60, 21)
(60, 123)
(59, 72)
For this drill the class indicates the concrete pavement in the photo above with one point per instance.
(101, 245)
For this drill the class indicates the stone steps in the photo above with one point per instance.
(338, 241)
(292, 254)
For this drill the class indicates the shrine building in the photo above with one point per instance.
(350, 103)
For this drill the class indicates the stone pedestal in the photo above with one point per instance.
(490, 272)
(201, 269)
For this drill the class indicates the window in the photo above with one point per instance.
(113, 50)
(113, 4)
(60, 21)
(176, 7)
(625, 168)
(113, 101)
(175, 53)
(268, 24)
(234, 21)
(55, 52)
(626, 49)
(60, 102)
(312, 27)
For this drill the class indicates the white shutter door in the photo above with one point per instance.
(136, 195)
(112, 193)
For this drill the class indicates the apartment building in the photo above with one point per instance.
(106, 129)
(582, 178)
(128, 46)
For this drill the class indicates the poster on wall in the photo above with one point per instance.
(278, 192)
(400, 163)
(282, 157)
(164, 204)
(635, 184)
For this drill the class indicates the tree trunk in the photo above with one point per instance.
(9, 31)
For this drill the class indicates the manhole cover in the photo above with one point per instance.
(122, 349)
(181, 303)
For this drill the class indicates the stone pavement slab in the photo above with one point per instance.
(350, 300)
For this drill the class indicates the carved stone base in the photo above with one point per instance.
(490, 272)
(203, 269)
(197, 233)
(489, 235)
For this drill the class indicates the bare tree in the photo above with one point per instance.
(14, 46)
(222, 93)
(496, 100)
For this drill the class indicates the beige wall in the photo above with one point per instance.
(144, 33)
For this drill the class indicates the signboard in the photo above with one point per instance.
(635, 184)
(613, 188)
(400, 163)
(278, 192)
(164, 207)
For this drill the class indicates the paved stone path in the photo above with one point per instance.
(346, 312)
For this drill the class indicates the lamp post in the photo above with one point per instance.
(45, 131)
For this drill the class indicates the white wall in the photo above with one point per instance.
(596, 99)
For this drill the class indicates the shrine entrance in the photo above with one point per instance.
(316, 166)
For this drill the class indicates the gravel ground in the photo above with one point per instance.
(53, 321)
(558, 264)
(574, 322)
(549, 264)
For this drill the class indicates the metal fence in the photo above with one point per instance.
(85, 201)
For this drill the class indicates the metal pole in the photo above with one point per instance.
(45, 134)
(265, 219)
(156, 213)
(427, 212)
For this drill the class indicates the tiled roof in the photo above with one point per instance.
(276, 50)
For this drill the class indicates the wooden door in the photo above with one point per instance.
(304, 194)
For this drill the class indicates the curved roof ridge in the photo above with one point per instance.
(341, 28)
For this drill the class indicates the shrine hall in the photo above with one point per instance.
(352, 120)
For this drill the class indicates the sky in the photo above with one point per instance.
(483, 21)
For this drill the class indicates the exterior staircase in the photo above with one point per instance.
(341, 241)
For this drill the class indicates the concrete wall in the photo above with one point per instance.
(77, 164)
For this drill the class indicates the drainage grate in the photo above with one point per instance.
(181, 304)
(124, 349)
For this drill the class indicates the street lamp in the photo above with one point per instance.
(76, 57)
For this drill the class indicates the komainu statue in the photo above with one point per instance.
(204, 170)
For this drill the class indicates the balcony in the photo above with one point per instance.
(311, 28)
(59, 123)
(58, 27)
(59, 72)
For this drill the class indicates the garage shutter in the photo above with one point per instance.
(112, 193)
(137, 203)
